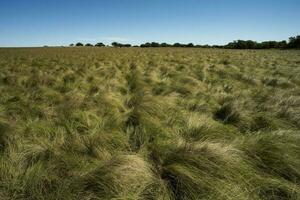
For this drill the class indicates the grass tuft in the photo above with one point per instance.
(149, 124)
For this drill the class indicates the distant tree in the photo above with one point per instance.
(282, 44)
(71, 45)
(273, 44)
(146, 45)
(242, 44)
(249, 44)
(206, 46)
(99, 44)
(79, 44)
(126, 45)
(177, 45)
(115, 44)
(155, 44)
(190, 45)
(216, 46)
(88, 45)
(164, 44)
(294, 42)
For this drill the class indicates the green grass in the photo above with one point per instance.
(149, 124)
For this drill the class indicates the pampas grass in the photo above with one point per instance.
(149, 124)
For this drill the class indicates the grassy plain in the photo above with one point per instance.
(149, 124)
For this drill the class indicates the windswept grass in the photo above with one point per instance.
(149, 124)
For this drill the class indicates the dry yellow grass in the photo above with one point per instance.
(155, 123)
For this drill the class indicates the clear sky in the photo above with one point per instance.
(61, 22)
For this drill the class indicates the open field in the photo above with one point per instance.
(149, 124)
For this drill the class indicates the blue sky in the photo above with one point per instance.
(61, 22)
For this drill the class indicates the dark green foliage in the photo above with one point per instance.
(294, 42)
(79, 44)
(155, 44)
(116, 44)
(99, 44)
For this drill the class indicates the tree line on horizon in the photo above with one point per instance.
(292, 43)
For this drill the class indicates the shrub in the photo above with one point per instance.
(79, 44)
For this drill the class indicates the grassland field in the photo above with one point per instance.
(149, 124)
